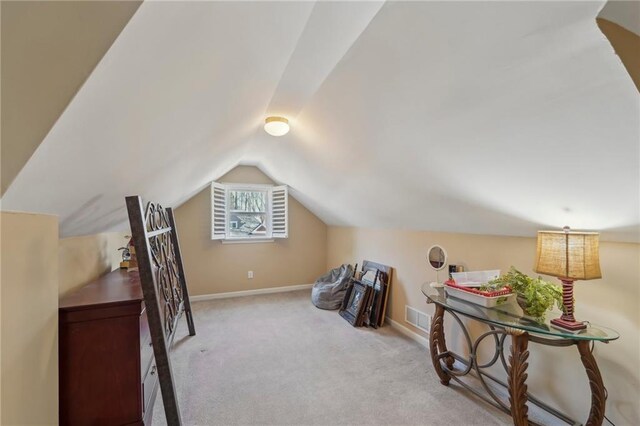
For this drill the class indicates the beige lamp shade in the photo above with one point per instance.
(566, 254)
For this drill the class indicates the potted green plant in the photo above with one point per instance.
(534, 295)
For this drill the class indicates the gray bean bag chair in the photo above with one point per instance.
(329, 290)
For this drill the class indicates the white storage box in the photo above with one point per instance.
(487, 302)
(474, 278)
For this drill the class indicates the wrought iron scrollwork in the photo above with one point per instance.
(516, 368)
(164, 288)
(164, 264)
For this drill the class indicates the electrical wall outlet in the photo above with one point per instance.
(250, 275)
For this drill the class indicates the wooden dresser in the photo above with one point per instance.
(107, 369)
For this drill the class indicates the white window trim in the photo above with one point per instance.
(269, 237)
(267, 214)
(250, 240)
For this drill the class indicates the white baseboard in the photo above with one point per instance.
(407, 332)
(249, 292)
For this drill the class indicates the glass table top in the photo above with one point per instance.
(511, 315)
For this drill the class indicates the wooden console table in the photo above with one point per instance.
(508, 320)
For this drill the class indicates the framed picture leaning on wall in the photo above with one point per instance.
(354, 302)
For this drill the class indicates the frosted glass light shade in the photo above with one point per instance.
(276, 126)
(572, 255)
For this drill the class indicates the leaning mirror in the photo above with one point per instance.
(437, 258)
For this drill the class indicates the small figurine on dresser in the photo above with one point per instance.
(126, 254)
(129, 261)
(133, 261)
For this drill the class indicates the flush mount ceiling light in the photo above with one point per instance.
(276, 126)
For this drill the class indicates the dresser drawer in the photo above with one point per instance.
(145, 334)
(149, 386)
(146, 347)
(102, 330)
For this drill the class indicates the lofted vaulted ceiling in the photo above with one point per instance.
(49, 48)
(478, 117)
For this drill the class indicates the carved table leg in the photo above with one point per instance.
(437, 345)
(598, 397)
(518, 377)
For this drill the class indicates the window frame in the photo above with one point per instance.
(247, 187)
(276, 214)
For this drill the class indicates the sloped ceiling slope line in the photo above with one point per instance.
(625, 13)
(167, 110)
(626, 44)
(478, 117)
(44, 63)
(498, 118)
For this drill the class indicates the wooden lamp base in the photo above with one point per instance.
(567, 321)
(568, 325)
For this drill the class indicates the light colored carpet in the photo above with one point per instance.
(278, 360)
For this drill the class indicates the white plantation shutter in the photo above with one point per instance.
(218, 211)
(279, 212)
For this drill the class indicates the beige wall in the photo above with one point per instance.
(83, 259)
(49, 48)
(214, 267)
(29, 322)
(613, 301)
(626, 45)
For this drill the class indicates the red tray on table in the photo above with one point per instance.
(484, 298)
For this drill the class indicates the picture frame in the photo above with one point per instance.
(354, 303)
(379, 293)
(381, 290)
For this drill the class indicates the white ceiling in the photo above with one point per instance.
(479, 117)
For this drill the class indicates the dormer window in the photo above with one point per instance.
(244, 212)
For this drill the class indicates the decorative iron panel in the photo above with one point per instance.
(165, 268)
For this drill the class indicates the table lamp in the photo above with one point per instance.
(569, 256)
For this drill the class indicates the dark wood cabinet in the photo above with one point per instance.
(107, 368)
